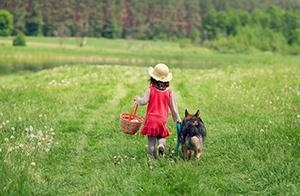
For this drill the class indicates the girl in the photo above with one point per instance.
(159, 98)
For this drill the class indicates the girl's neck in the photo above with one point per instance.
(160, 87)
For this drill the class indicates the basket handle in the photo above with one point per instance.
(135, 107)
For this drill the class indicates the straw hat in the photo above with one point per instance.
(160, 73)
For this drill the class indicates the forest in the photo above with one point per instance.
(224, 25)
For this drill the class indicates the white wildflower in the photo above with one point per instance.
(41, 115)
(30, 128)
(13, 128)
(7, 121)
(298, 116)
(6, 139)
(0, 150)
(20, 118)
(10, 149)
(40, 133)
(12, 137)
(32, 163)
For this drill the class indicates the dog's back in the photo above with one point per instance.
(193, 132)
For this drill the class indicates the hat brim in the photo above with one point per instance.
(165, 79)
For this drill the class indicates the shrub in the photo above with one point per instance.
(6, 23)
(19, 40)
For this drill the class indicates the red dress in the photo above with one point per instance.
(157, 113)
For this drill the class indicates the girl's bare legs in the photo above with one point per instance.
(161, 146)
(151, 146)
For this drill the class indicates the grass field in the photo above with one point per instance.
(46, 52)
(59, 127)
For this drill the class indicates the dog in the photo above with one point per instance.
(192, 135)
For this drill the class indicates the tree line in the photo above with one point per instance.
(220, 24)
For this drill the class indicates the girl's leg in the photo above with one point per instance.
(151, 146)
(161, 145)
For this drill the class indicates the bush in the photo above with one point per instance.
(19, 40)
(6, 23)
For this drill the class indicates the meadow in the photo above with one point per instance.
(60, 107)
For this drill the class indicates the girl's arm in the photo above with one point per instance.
(143, 100)
(174, 108)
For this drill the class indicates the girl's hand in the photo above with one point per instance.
(135, 100)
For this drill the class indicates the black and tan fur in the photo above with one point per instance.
(192, 135)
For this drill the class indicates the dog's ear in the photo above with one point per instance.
(197, 114)
(186, 113)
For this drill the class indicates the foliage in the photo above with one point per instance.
(19, 40)
(272, 30)
(33, 24)
(197, 20)
(6, 22)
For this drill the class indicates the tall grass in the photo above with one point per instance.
(59, 131)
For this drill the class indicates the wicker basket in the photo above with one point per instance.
(130, 123)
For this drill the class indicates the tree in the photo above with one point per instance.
(210, 25)
(34, 24)
(6, 23)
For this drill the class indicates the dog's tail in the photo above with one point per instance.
(196, 142)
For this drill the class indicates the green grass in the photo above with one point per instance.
(59, 128)
(44, 52)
